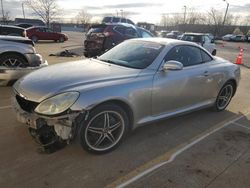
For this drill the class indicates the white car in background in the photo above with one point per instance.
(17, 58)
(202, 39)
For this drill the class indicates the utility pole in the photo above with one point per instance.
(121, 13)
(225, 13)
(2, 11)
(185, 13)
(23, 11)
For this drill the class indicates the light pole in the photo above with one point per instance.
(23, 11)
(185, 12)
(225, 13)
(121, 13)
(2, 10)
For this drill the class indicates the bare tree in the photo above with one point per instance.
(6, 17)
(83, 17)
(237, 31)
(194, 17)
(215, 18)
(45, 9)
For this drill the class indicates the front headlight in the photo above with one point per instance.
(57, 104)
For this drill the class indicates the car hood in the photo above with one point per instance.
(70, 76)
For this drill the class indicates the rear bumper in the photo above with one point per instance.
(10, 74)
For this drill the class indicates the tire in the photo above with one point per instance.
(34, 38)
(61, 39)
(224, 97)
(13, 61)
(214, 53)
(104, 129)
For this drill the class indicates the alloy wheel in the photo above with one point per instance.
(12, 62)
(225, 96)
(104, 130)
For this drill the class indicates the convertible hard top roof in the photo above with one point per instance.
(166, 41)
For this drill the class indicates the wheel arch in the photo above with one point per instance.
(121, 104)
(233, 81)
(16, 53)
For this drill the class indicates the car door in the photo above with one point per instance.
(178, 90)
(208, 45)
(49, 34)
(40, 33)
(130, 32)
(120, 36)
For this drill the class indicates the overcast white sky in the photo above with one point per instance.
(138, 10)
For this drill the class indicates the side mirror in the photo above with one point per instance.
(212, 40)
(172, 65)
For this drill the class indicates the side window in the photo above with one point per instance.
(205, 57)
(145, 34)
(187, 55)
(123, 20)
(120, 29)
(48, 30)
(41, 30)
(207, 39)
(5, 31)
(131, 32)
(115, 20)
(130, 22)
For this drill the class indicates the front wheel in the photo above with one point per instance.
(13, 61)
(104, 130)
(224, 97)
(61, 39)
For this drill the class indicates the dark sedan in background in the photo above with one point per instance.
(102, 37)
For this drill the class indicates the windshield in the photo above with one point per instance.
(192, 38)
(96, 29)
(133, 54)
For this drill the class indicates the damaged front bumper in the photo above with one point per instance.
(48, 130)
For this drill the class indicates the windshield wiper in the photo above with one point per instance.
(116, 63)
(108, 61)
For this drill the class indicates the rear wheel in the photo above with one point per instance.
(104, 130)
(224, 97)
(13, 61)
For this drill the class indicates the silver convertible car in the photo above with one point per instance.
(135, 83)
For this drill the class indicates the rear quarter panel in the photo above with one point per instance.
(223, 71)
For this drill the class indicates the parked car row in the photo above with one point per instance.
(35, 33)
(235, 38)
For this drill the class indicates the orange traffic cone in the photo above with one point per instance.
(239, 58)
